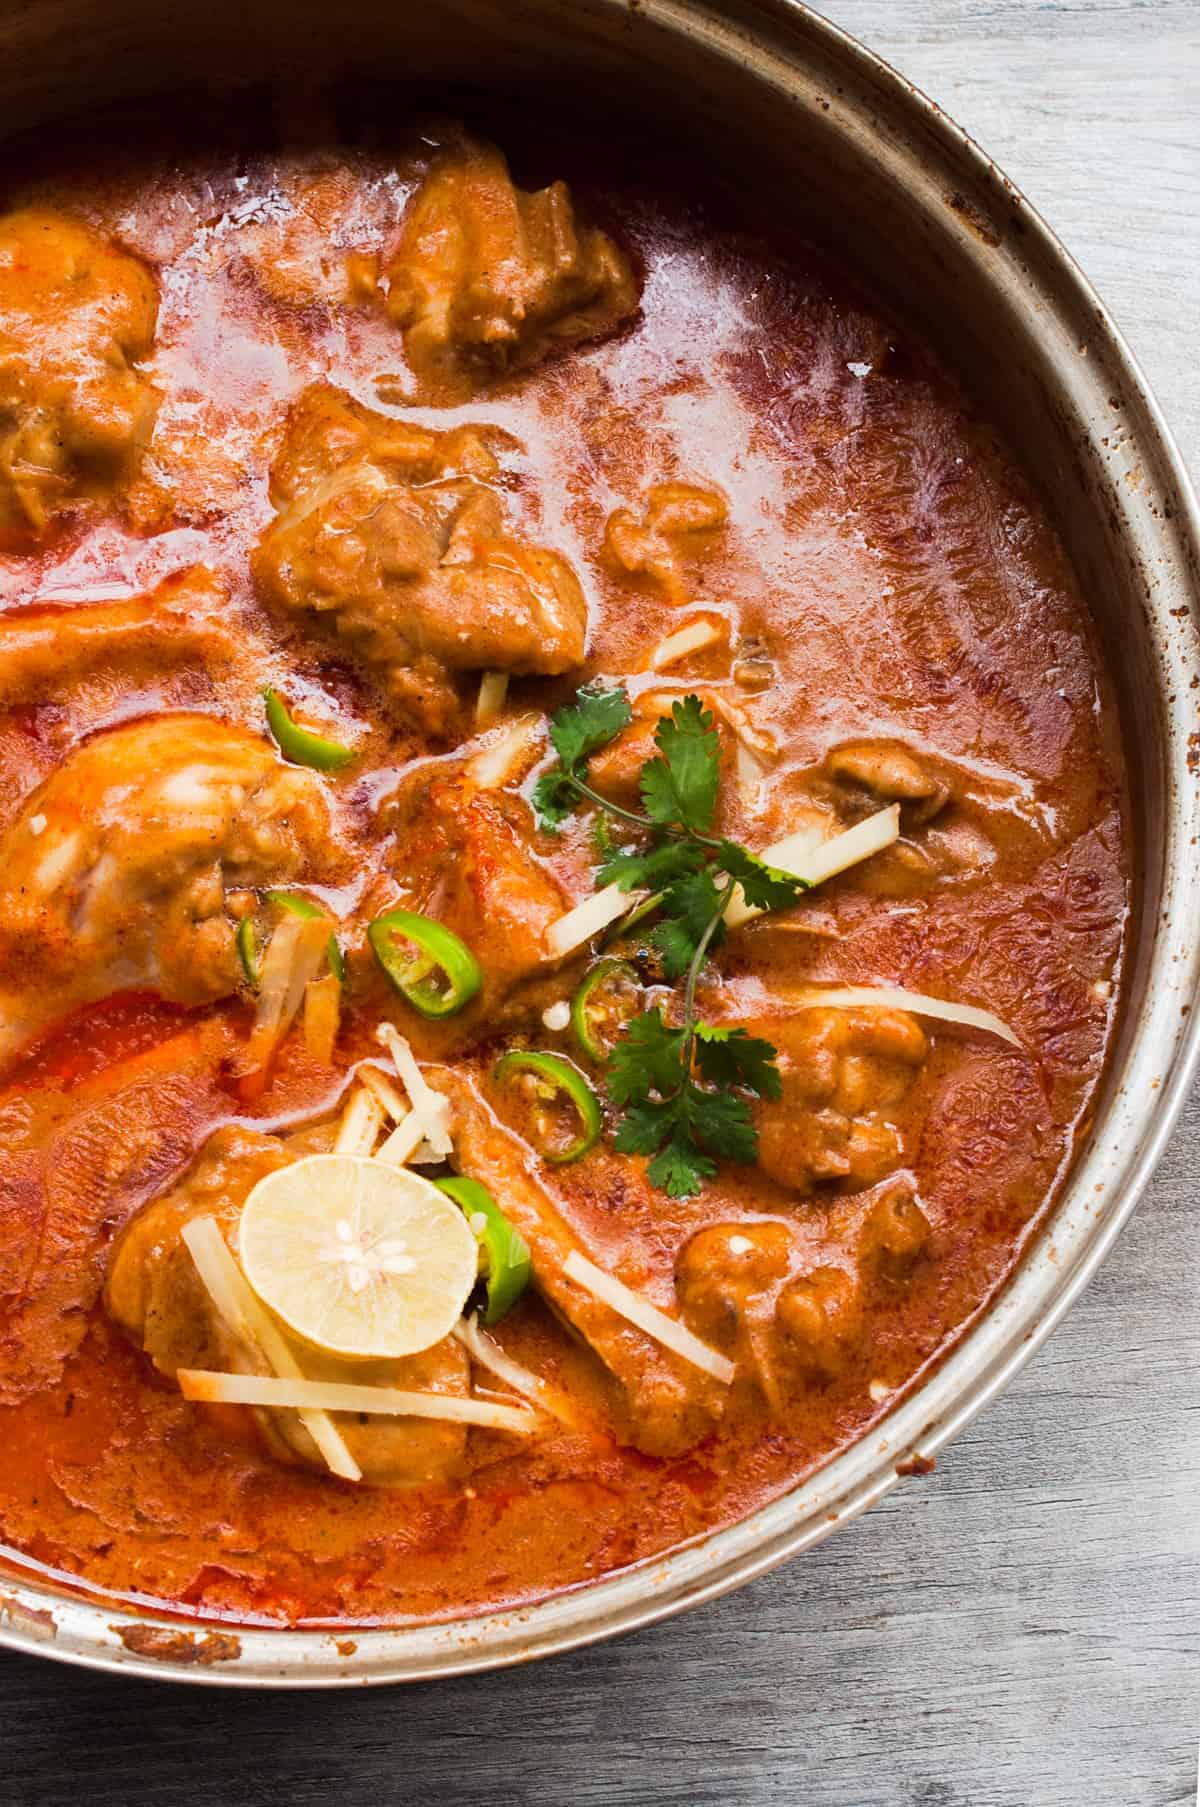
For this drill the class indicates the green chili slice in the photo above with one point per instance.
(299, 744)
(295, 905)
(596, 1015)
(442, 975)
(556, 1077)
(505, 1261)
(249, 951)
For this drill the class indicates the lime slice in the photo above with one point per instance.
(358, 1257)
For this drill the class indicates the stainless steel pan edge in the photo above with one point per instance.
(1053, 367)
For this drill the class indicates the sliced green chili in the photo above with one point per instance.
(596, 1019)
(441, 977)
(556, 1076)
(301, 745)
(249, 951)
(296, 905)
(505, 1260)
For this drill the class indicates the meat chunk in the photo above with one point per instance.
(895, 1235)
(69, 669)
(948, 805)
(327, 429)
(114, 874)
(665, 1405)
(724, 1271)
(392, 1452)
(875, 772)
(820, 1318)
(155, 1294)
(64, 647)
(728, 1279)
(739, 1290)
(679, 522)
(299, 245)
(469, 858)
(76, 315)
(488, 278)
(842, 1071)
(392, 536)
(153, 1290)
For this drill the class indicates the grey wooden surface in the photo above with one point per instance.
(1020, 1629)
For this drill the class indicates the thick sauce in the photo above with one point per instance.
(907, 585)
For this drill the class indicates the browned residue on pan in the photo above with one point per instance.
(971, 215)
(180, 1646)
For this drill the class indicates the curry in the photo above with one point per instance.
(563, 872)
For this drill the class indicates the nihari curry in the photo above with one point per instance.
(563, 872)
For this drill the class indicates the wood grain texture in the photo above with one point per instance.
(1021, 1629)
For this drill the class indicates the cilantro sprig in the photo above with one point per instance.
(683, 1089)
(576, 732)
(683, 1125)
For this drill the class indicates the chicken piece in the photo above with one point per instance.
(327, 429)
(114, 874)
(679, 522)
(820, 1318)
(888, 773)
(842, 1070)
(154, 1292)
(67, 669)
(392, 534)
(728, 1279)
(468, 857)
(665, 1405)
(738, 1291)
(76, 314)
(895, 1235)
(488, 278)
(392, 1452)
(60, 647)
(860, 776)
(299, 245)
(724, 1272)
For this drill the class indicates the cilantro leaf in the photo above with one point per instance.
(645, 1127)
(658, 793)
(664, 1129)
(689, 908)
(648, 1058)
(724, 1125)
(554, 797)
(652, 868)
(683, 1133)
(680, 786)
(731, 1057)
(764, 887)
(680, 1169)
(673, 945)
(695, 900)
(576, 732)
(589, 723)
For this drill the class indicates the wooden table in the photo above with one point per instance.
(1021, 1629)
